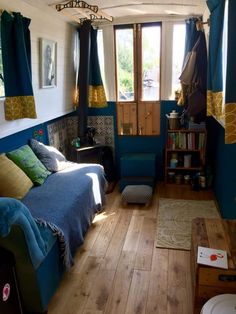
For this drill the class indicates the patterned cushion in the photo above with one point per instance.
(137, 194)
(52, 159)
(13, 181)
(25, 158)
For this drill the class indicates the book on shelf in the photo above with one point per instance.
(212, 257)
(201, 140)
(182, 140)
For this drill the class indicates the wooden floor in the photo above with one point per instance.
(119, 269)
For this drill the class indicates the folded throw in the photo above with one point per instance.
(14, 212)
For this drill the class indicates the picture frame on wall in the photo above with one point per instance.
(48, 52)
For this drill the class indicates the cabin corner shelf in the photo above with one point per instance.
(184, 154)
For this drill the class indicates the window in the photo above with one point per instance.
(177, 55)
(125, 64)
(138, 78)
(151, 63)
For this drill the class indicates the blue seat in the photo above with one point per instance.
(138, 165)
(137, 169)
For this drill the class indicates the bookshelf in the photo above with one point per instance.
(184, 154)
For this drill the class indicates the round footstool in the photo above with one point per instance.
(140, 194)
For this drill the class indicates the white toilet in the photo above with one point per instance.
(220, 304)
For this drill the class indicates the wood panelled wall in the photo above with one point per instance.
(142, 119)
(50, 102)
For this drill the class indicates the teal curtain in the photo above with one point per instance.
(84, 33)
(90, 91)
(97, 97)
(16, 58)
(230, 91)
(215, 74)
(191, 36)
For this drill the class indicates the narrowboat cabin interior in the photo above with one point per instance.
(117, 156)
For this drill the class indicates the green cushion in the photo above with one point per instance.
(25, 158)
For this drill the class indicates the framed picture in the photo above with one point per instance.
(48, 62)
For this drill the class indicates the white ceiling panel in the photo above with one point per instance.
(123, 9)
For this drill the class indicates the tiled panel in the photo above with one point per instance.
(72, 128)
(104, 126)
(57, 135)
(62, 132)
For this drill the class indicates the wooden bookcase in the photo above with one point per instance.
(188, 147)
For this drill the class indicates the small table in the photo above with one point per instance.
(88, 154)
(210, 281)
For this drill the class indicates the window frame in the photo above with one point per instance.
(141, 113)
(125, 26)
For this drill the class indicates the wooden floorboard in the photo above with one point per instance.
(118, 269)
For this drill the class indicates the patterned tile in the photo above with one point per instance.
(62, 132)
(104, 126)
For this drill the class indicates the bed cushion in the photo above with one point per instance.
(25, 158)
(13, 181)
(52, 159)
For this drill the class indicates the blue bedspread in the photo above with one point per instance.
(67, 202)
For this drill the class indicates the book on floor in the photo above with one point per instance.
(212, 257)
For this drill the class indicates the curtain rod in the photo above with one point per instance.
(199, 24)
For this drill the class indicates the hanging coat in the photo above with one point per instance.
(194, 78)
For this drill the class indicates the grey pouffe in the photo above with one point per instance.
(141, 194)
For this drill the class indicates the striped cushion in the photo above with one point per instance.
(137, 194)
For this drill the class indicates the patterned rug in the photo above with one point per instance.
(175, 218)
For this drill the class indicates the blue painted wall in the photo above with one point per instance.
(123, 144)
(223, 159)
(140, 144)
(21, 138)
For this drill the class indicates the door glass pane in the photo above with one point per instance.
(151, 39)
(125, 64)
(177, 56)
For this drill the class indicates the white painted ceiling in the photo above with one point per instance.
(132, 9)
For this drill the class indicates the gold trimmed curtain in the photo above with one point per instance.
(97, 96)
(215, 68)
(84, 33)
(230, 90)
(16, 59)
(95, 89)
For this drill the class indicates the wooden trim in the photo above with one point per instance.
(147, 113)
(139, 63)
(127, 113)
(114, 34)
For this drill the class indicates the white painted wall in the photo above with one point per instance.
(206, 16)
(50, 102)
